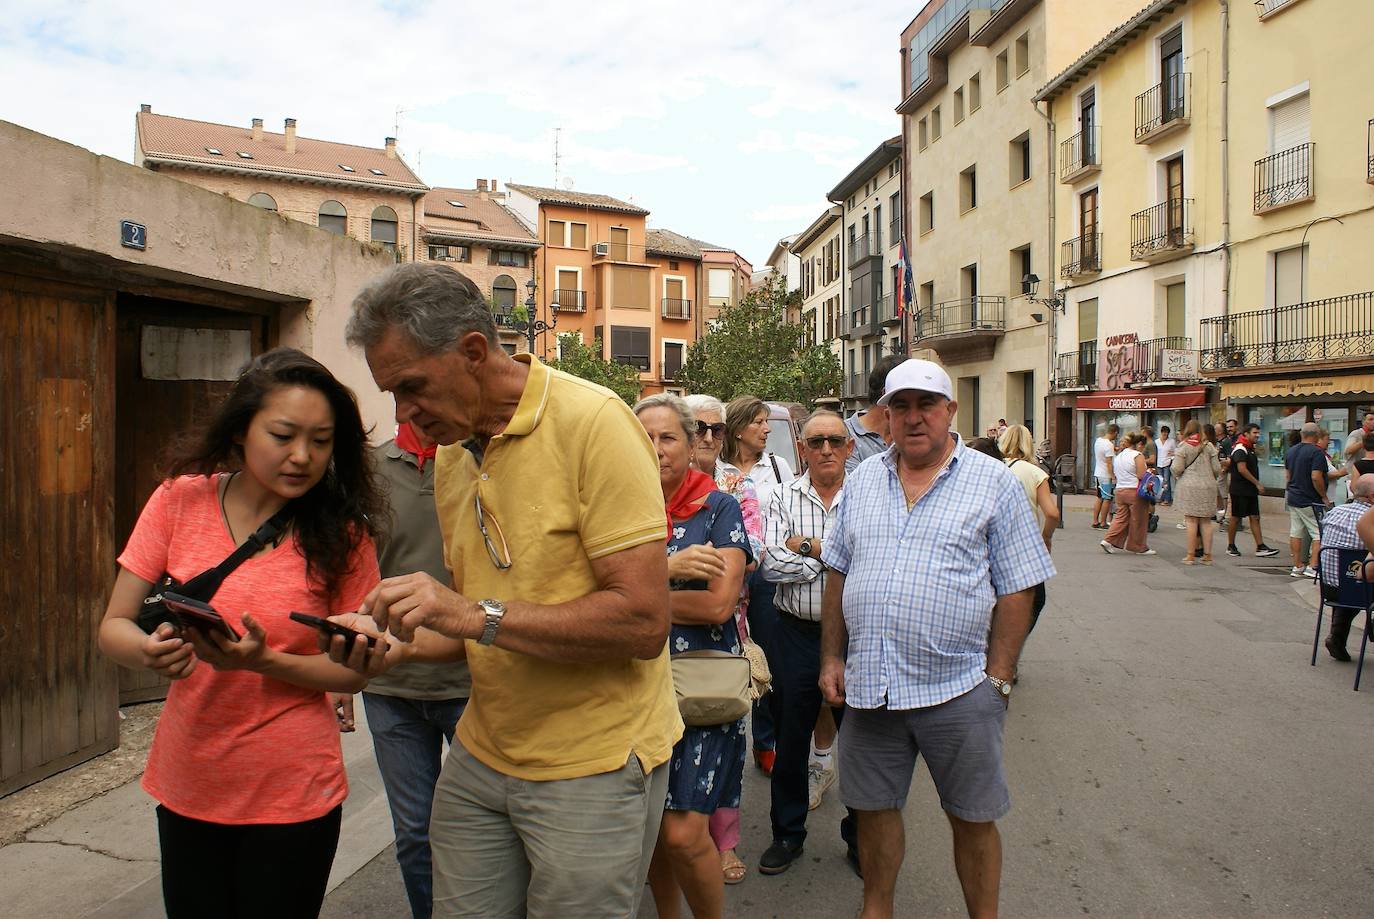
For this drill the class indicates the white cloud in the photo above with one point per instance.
(630, 91)
(790, 213)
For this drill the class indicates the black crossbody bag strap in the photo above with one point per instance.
(206, 584)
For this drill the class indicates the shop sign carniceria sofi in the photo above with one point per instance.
(1119, 361)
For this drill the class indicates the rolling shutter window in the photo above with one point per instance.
(1288, 271)
(1087, 322)
(1290, 124)
(579, 236)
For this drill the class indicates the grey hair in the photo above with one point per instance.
(1364, 487)
(1310, 429)
(432, 304)
(826, 413)
(700, 402)
(677, 404)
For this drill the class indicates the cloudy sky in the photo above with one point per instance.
(728, 120)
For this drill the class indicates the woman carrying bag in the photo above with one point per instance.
(246, 763)
(708, 551)
(1196, 468)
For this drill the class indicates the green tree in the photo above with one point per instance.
(586, 362)
(751, 349)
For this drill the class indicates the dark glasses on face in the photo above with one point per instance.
(716, 429)
(835, 440)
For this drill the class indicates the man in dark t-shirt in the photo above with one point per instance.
(1226, 442)
(1306, 496)
(1245, 492)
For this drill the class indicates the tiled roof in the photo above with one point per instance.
(576, 199)
(165, 139)
(477, 219)
(1113, 39)
(666, 242)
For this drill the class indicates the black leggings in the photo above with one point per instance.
(260, 870)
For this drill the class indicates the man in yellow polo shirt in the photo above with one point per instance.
(549, 499)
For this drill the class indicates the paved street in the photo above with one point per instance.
(1170, 753)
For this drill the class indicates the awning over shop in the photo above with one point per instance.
(1322, 385)
(1148, 400)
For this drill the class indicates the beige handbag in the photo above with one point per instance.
(713, 687)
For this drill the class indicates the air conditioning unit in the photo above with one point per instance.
(601, 250)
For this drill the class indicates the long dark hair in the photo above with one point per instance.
(331, 518)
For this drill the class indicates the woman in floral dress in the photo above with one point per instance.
(707, 554)
(710, 415)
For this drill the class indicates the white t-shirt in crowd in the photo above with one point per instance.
(1164, 450)
(1125, 469)
(1103, 451)
(766, 482)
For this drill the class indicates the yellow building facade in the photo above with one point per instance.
(976, 176)
(1139, 222)
(1297, 343)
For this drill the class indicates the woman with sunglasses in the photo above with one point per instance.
(246, 763)
(708, 551)
(746, 447)
(710, 415)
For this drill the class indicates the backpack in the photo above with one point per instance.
(1151, 487)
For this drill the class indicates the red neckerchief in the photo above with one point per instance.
(1194, 439)
(407, 441)
(685, 501)
(1243, 440)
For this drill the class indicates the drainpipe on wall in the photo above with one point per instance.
(1225, 158)
(1052, 335)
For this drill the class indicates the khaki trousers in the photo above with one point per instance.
(507, 848)
(1131, 523)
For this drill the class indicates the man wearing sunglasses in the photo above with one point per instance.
(548, 495)
(804, 511)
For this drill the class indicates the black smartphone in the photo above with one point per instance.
(333, 628)
(193, 614)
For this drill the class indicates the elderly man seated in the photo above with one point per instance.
(1349, 526)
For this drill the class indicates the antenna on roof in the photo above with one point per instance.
(396, 124)
(556, 133)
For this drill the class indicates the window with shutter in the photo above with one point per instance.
(1290, 123)
(630, 345)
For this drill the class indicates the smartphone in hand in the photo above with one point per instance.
(333, 628)
(193, 614)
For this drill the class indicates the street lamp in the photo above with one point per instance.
(533, 327)
(1030, 283)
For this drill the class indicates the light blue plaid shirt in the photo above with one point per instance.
(920, 586)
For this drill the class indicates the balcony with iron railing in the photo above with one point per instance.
(1080, 256)
(1171, 359)
(507, 319)
(857, 325)
(1337, 330)
(676, 308)
(1162, 232)
(570, 301)
(1080, 156)
(1076, 369)
(961, 330)
(869, 245)
(1163, 108)
(1285, 178)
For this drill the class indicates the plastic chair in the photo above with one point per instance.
(1368, 634)
(1345, 588)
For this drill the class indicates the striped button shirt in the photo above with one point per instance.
(797, 511)
(920, 585)
(1338, 531)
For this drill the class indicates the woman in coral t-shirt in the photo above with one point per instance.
(246, 763)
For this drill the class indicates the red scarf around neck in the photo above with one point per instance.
(407, 441)
(1194, 439)
(684, 502)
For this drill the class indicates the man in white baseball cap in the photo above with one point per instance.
(921, 652)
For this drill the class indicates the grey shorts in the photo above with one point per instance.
(961, 740)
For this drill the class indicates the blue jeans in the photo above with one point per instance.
(763, 625)
(1167, 475)
(408, 737)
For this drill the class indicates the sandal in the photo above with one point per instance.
(731, 866)
(1206, 560)
(1189, 560)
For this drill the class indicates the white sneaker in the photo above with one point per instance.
(1146, 552)
(1295, 572)
(1107, 547)
(1309, 572)
(818, 782)
(1180, 526)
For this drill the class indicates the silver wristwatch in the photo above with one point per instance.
(806, 546)
(494, 610)
(1002, 686)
